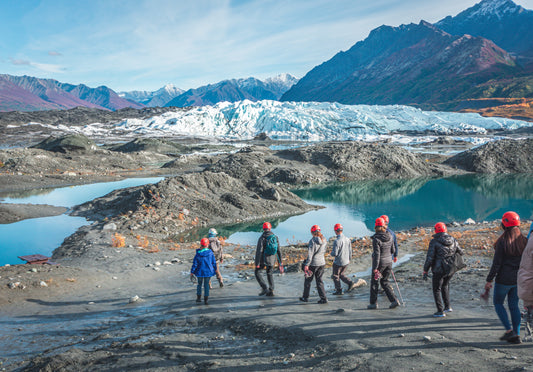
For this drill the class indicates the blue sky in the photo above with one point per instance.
(143, 45)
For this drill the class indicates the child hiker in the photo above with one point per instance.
(204, 266)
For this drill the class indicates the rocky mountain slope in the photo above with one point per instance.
(156, 98)
(26, 93)
(235, 90)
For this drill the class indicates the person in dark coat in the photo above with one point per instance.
(383, 249)
(508, 250)
(265, 260)
(440, 251)
(204, 266)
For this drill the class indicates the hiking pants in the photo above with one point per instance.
(384, 281)
(270, 278)
(317, 272)
(338, 275)
(441, 288)
(205, 283)
(511, 291)
(217, 273)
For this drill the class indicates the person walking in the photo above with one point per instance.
(216, 247)
(266, 252)
(204, 266)
(383, 248)
(440, 259)
(394, 240)
(314, 265)
(342, 252)
(525, 278)
(508, 250)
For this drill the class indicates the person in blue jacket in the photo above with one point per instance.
(204, 266)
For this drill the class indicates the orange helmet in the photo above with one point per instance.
(440, 227)
(204, 242)
(379, 222)
(315, 228)
(338, 227)
(385, 218)
(510, 219)
(267, 226)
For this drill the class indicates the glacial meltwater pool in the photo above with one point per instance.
(43, 235)
(408, 203)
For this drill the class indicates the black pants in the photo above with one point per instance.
(384, 281)
(317, 272)
(270, 278)
(338, 275)
(441, 287)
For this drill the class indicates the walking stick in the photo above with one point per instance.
(398, 288)
(530, 229)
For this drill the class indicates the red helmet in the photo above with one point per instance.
(204, 242)
(385, 218)
(440, 227)
(338, 227)
(510, 219)
(267, 226)
(315, 228)
(379, 222)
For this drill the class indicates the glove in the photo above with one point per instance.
(395, 259)
(488, 286)
(258, 266)
(281, 269)
(425, 275)
(377, 275)
(307, 272)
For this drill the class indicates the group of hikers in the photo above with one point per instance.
(512, 267)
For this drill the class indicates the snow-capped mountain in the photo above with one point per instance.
(509, 25)
(235, 90)
(156, 98)
(306, 121)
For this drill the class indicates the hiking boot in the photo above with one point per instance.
(270, 294)
(198, 298)
(351, 287)
(263, 292)
(515, 339)
(205, 300)
(448, 310)
(439, 314)
(322, 301)
(507, 335)
(372, 306)
(394, 305)
(303, 299)
(338, 293)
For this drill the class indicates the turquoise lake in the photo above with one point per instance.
(408, 203)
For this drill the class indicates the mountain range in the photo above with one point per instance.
(448, 65)
(156, 98)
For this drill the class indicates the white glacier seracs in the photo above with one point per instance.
(311, 121)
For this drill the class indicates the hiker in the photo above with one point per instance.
(395, 254)
(383, 248)
(342, 251)
(203, 267)
(525, 278)
(216, 247)
(265, 257)
(508, 250)
(314, 265)
(440, 258)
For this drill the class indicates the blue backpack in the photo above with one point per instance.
(271, 246)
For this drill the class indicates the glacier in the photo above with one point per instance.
(302, 121)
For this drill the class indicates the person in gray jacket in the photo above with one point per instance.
(314, 265)
(342, 251)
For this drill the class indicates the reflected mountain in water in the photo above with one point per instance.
(498, 186)
(363, 192)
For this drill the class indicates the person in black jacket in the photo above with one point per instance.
(508, 251)
(441, 250)
(267, 260)
(383, 249)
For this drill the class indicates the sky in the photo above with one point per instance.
(145, 44)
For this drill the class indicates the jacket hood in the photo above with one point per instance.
(444, 239)
(383, 236)
(268, 233)
(203, 252)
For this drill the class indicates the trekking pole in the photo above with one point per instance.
(397, 287)
(530, 229)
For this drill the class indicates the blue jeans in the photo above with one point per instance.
(511, 291)
(205, 282)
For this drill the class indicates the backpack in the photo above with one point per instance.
(271, 245)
